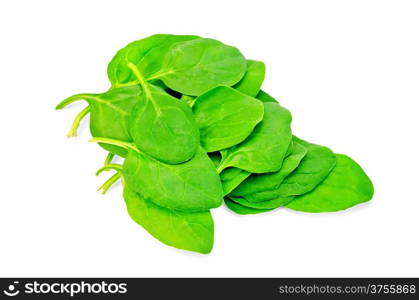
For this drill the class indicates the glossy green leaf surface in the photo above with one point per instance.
(225, 117)
(253, 78)
(265, 149)
(110, 113)
(312, 170)
(231, 178)
(269, 181)
(347, 185)
(164, 127)
(243, 210)
(289, 150)
(196, 66)
(192, 231)
(146, 54)
(190, 186)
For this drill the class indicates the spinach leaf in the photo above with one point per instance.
(164, 127)
(243, 210)
(146, 54)
(225, 117)
(269, 181)
(265, 149)
(253, 78)
(174, 58)
(231, 178)
(265, 97)
(312, 170)
(195, 128)
(196, 66)
(109, 114)
(269, 204)
(190, 186)
(347, 185)
(290, 149)
(188, 231)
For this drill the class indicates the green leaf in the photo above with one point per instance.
(253, 78)
(243, 210)
(265, 149)
(231, 178)
(164, 127)
(347, 185)
(312, 170)
(188, 231)
(225, 117)
(269, 204)
(196, 66)
(265, 97)
(290, 149)
(109, 114)
(270, 181)
(190, 186)
(146, 54)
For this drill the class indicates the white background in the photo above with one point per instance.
(347, 70)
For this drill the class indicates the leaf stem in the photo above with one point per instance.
(108, 183)
(159, 75)
(108, 167)
(76, 123)
(220, 168)
(140, 78)
(72, 99)
(122, 144)
(223, 164)
(128, 84)
(109, 158)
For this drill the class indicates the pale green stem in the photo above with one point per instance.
(159, 75)
(119, 143)
(144, 85)
(223, 164)
(108, 167)
(220, 168)
(109, 158)
(72, 99)
(76, 123)
(140, 78)
(131, 83)
(108, 183)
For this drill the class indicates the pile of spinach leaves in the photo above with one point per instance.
(195, 130)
